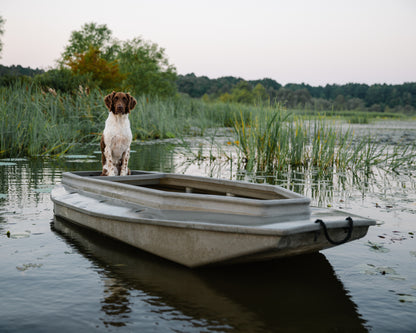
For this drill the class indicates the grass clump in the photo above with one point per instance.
(35, 122)
(274, 140)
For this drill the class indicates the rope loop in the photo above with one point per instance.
(350, 227)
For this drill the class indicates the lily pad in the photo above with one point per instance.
(19, 236)
(405, 298)
(389, 272)
(3, 196)
(385, 270)
(377, 247)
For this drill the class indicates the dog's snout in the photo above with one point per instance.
(119, 108)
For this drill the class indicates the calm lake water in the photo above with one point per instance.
(57, 277)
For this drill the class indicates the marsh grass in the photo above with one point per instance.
(274, 140)
(40, 123)
(267, 138)
(36, 122)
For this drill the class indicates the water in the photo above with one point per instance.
(57, 277)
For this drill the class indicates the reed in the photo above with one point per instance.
(273, 140)
(36, 122)
(39, 123)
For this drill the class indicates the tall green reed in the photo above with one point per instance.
(34, 122)
(272, 140)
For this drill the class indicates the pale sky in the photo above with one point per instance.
(290, 41)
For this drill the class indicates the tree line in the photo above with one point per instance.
(351, 96)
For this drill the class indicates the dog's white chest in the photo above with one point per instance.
(117, 135)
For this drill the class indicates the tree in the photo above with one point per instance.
(339, 102)
(138, 66)
(1, 32)
(105, 74)
(260, 93)
(91, 35)
(146, 68)
(285, 96)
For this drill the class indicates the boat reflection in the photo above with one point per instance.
(296, 294)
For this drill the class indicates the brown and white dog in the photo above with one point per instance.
(116, 138)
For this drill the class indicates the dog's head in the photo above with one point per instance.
(119, 102)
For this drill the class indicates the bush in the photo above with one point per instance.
(63, 80)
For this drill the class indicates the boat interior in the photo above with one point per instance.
(189, 184)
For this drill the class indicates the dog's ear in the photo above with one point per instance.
(132, 102)
(108, 100)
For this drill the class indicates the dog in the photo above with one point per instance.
(117, 136)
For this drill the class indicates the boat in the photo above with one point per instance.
(198, 221)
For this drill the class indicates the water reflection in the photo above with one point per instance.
(300, 294)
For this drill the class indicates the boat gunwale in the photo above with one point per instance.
(254, 202)
(275, 229)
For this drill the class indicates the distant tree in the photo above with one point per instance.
(260, 93)
(351, 96)
(242, 93)
(355, 104)
(301, 98)
(146, 68)
(339, 103)
(1, 33)
(226, 98)
(267, 83)
(285, 96)
(321, 104)
(18, 70)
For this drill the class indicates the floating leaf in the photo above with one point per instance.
(386, 270)
(19, 236)
(390, 272)
(3, 196)
(377, 247)
(25, 267)
(405, 298)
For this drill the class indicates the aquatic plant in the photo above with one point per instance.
(274, 140)
(35, 122)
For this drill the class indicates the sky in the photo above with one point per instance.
(316, 42)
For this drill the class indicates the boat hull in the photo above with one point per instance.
(192, 242)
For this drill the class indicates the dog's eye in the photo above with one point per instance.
(124, 98)
(116, 98)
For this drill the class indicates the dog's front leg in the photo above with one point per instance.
(109, 169)
(124, 170)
